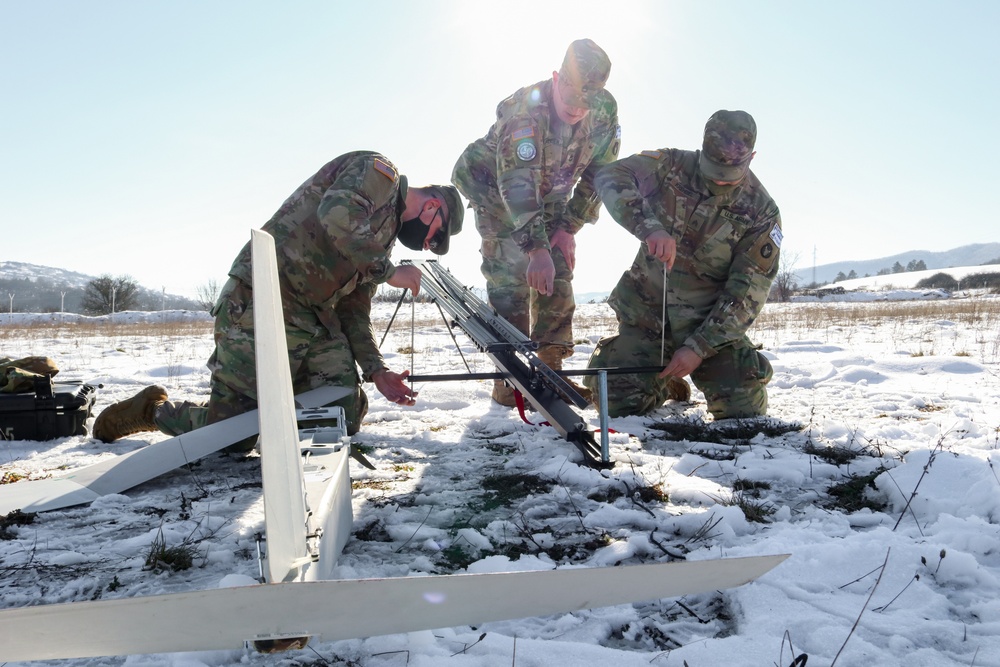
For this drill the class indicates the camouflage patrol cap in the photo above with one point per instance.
(584, 72)
(456, 214)
(728, 145)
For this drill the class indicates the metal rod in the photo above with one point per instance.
(569, 372)
(602, 413)
(393, 318)
(663, 315)
(451, 332)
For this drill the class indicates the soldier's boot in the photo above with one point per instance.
(678, 389)
(503, 394)
(279, 645)
(552, 356)
(132, 415)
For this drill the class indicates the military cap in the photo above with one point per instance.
(453, 225)
(584, 72)
(728, 145)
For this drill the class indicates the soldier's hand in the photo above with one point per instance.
(663, 247)
(566, 243)
(541, 273)
(406, 277)
(393, 386)
(682, 363)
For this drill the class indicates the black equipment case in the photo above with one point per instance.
(53, 410)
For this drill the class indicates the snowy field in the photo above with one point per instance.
(877, 471)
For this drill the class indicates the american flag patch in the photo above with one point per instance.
(523, 133)
(386, 169)
(653, 154)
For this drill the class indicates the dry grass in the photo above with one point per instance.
(978, 317)
(99, 329)
(975, 320)
(978, 312)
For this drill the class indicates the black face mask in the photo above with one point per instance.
(412, 233)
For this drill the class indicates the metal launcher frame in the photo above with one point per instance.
(514, 354)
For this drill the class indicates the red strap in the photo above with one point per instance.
(519, 401)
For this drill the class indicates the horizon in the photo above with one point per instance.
(148, 139)
(880, 280)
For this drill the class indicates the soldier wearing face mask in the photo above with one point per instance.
(334, 235)
(710, 237)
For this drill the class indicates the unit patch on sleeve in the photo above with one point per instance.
(386, 169)
(526, 151)
(776, 235)
(765, 250)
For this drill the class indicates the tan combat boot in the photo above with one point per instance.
(132, 415)
(678, 389)
(503, 394)
(552, 356)
(279, 645)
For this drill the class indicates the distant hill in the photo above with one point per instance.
(591, 297)
(44, 289)
(909, 279)
(969, 255)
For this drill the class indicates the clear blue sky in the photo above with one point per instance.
(147, 138)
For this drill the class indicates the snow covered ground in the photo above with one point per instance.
(877, 286)
(877, 472)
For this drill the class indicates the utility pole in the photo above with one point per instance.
(113, 290)
(62, 302)
(11, 295)
(814, 266)
(163, 298)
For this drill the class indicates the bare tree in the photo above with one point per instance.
(786, 282)
(105, 294)
(207, 294)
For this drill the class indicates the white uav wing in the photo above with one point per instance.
(306, 525)
(333, 610)
(120, 473)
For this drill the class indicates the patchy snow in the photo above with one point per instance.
(907, 280)
(461, 485)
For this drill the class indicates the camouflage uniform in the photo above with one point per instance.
(727, 258)
(531, 175)
(333, 239)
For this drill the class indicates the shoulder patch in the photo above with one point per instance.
(776, 235)
(386, 169)
(523, 133)
(656, 155)
(526, 151)
(764, 252)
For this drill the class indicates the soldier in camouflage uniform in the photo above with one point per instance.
(333, 236)
(530, 181)
(706, 210)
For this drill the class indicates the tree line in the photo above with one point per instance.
(100, 296)
(912, 265)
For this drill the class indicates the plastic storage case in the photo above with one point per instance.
(53, 410)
